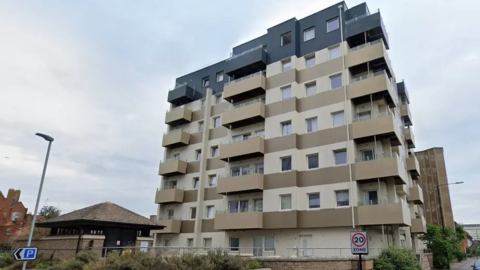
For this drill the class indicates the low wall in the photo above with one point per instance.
(313, 264)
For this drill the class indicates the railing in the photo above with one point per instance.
(244, 172)
(242, 139)
(359, 117)
(376, 157)
(243, 104)
(168, 217)
(361, 17)
(368, 75)
(176, 108)
(245, 52)
(168, 187)
(378, 202)
(251, 208)
(328, 252)
(176, 130)
(173, 159)
(366, 45)
(246, 77)
(178, 86)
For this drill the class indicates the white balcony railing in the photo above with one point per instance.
(245, 52)
(246, 77)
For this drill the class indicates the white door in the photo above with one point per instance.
(143, 246)
(257, 246)
(306, 245)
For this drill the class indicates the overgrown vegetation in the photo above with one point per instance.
(394, 258)
(49, 212)
(5, 259)
(473, 252)
(444, 244)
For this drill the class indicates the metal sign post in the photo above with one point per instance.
(359, 242)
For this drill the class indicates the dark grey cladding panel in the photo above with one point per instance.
(356, 11)
(256, 59)
(362, 24)
(181, 95)
(401, 88)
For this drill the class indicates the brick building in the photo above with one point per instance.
(13, 214)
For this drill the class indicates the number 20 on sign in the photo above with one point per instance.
(359, 242)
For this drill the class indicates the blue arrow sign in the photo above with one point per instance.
(25, 253)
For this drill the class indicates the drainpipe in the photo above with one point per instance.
(347, 117)
(79, 239)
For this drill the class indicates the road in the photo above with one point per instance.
(465, 265)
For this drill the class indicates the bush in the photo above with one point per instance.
(5, 259)
(87, 256)
(461, 256)
(43, 265)
(394, 258)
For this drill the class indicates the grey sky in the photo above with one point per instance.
(95, 75)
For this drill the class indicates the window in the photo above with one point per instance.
(336, 81)
(367, 154)
(314, 201)
(210, 211)
(286, 128)
(198, 154)
(311, 89)
(333, 24)
(371, 197)
(166, 242)
(203, 103)
(286, 39)
(312, 161)
(310, 61)
(212, 180)
(342, 198)
(189, 242)
(196, 182)
(286, 92)
(311, 125)
(207, 242)
(200, 126)
(338, 119)
(243, 170)
(216, 122)
(340, 157)
(286, 163)
(220, 76)
(260, 133)
(239, 138)
(205, 82)
(170, 184)
(218, 99)
(237, 206)
(286, 65)
(309, 34)
(286, 202)
(170, 213)
(259, 168)
(234, 244)
(193, 212)
(258, 205)
(364, 116)
(269, 243)
(214, 151)
(176, 156)
(334, 52)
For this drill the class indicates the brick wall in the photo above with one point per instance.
(8, 206)
(303, 264)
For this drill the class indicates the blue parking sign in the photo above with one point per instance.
(25, 253)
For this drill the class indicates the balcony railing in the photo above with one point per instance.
(241, 139)
(243, 172)
(246, 77)
(251, 208)
(168, 217)
(173, 159)
(358, 117)
(376, 157)
(178, 86)
(169, 187)
(361, 17)
(245, 52)
(250, 102)
(176, 130)
(365, 45)
(368, 75)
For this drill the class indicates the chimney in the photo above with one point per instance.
(153, 218)
(13, 195)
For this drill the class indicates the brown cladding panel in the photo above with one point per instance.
(280, 220)
(324, 176)
(325, 218)
(282, 79)
(320, 70)
(215, 163)
(281, 107)
(219, 108)
(217, 133)
(322, 137)
(321, 99)
(281, 143)
(211, 194)
(280, 180)
(188, 226)
(208, 225)
(193, 167)
(198, 115)
(196, 138)
(190, 196)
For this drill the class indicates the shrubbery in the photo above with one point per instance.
(394, 258)
(5, 259)
(445, 244)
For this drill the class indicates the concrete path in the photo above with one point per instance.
(465, 265)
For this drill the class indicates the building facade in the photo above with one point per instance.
(300, 137)
(434, 175)
(474, 231)
(13, 215)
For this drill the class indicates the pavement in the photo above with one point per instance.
(465, 265)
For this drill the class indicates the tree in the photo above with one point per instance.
(49, 212)
(445, 245)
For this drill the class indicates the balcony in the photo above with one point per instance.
(384, 165)
(403, 92)
(167, 195)
(172, 167)
(244, 114)
(250, 148)
(245, 88)
(383, 214)
(372, 24)
(377, 84)
(172, 225)
(238, 221)
(246, 62)
(384, 124)
(370, 52)
(402, 189)
(419, 225)
(181, 94)
(178, 116)
(251, 181)
(413, 167)
(416, 195)
(176, 138)
(406, 114)
(409, 138)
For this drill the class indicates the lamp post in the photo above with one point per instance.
(32, 227)
(441, 202)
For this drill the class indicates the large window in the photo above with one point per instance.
(311, 89)
(286, 92)
(286, 39)
(286, 128)
(314, 200)
(340, 157)
(311, 124)
(216, 122)
(205, 82)
(212, 180)
(220, 76)
(334, 52)
(242, 137)
(286, 65)
(237, 206)
(286, 202)
(336, 81)
(242, 170)
(214, 151)
(342, 198)
(309, 34)
(207, 242)
(269, 243)
(333, 24)
(338, 119)
(310, 61)
(193, 212)
(286, 163)
(210, 211)
(312, 161)
(234, 244)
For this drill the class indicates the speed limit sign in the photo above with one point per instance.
(359, 243)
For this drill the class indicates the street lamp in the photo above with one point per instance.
(32, 227)
(441, 202)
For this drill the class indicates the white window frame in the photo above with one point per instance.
(191, 212)
(219, 76)
(214, 151)
(306, 31)
(285, 88)
(206, 82)
(189, 242)
(318, 161)
(335, 76)
(315, 119)
(210, 177)
(308, 201)
(213, 211)
(331, 20)
(336, 198)
(285, 196)
(281, 164)
(308, 58)
(289, 130)
(205, 242)
(215, 121)
(333, 118)
(310, 85)
(332, 49)
(286, 65)
(340, 151)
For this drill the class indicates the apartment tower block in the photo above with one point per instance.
(300, 137)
